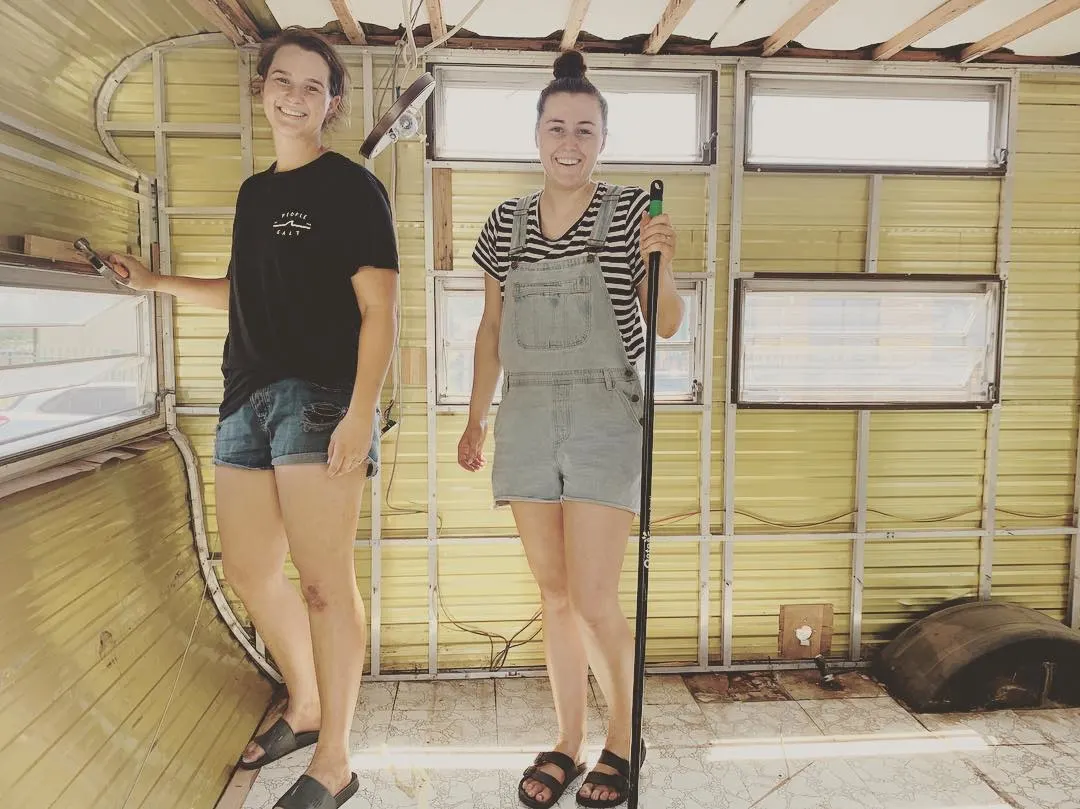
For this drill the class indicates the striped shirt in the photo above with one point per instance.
(620, 258)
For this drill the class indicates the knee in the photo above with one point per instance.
(324, 593)
(246, 578)
(595, 611)
(555, 596)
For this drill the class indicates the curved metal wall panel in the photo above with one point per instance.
(106, 622)
(55, 56)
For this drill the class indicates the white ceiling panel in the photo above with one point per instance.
(985, 18)
(853, 24)
(1059, 38)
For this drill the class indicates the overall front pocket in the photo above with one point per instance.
(554, 314)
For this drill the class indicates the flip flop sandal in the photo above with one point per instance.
(307, 793)
(570, 772)
(278, 742)
(618, 783)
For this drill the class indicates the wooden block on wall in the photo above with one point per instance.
(442, 198)
(413, 366)
(805, 631)
(54, 249)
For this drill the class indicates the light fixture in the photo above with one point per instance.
(401, 121)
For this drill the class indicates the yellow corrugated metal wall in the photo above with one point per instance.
(56, 58)
(794, 472)
(106, 622)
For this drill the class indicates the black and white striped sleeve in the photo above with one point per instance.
(486, 252)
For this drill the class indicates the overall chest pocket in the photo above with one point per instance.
(555, 314)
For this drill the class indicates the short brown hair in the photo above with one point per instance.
(316, 43)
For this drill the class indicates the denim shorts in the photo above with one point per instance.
(572, 435)
(286, 422)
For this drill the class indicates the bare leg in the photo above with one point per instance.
(541, 529)
(320, 515)
(596, 538)
(253, 549)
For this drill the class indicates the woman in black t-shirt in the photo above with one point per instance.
(311, 295)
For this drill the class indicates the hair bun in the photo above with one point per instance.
(570, 65)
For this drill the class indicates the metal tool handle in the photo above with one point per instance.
(656, 207)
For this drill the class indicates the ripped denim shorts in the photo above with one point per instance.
(287, 422)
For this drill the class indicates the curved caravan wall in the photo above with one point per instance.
(121, 686)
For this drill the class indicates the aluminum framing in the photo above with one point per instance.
(862, 442)
(993, 425)
(738, 145)
(727, 537)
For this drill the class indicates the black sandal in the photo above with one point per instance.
(277, 742)
(570, 772)
(307, 793)
(618, 783)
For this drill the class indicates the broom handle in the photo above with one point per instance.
(656, 207)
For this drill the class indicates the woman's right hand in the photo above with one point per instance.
(133, 272)
(470, 449)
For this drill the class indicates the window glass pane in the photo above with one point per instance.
(862, 123)
(71, 363)
(807, 346)
(494, 118)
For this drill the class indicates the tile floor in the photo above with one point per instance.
(779, 743)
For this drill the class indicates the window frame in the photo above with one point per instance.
(940, 86)
(534, 78)
(30, 273)
(693, 283)
(799, 282)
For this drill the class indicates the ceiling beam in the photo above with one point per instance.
(352, 29)
(1053, 10)
(669, 21)
(796, 24)
(436, 19)
(574, 21)
(946, 12)
(229, 17)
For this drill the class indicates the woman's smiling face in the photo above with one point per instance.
(296, 96)
(570, 137)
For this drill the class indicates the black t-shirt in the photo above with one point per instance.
(298, 238)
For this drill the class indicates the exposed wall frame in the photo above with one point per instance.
(1073, 610)
(862, 442)
(432, 423)
(727, 618)
(706, 344)
(727, 537)
(993, 426)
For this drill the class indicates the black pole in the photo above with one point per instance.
(656, 207)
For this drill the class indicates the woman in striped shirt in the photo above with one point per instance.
(564, 288)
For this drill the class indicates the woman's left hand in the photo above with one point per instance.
(657, 235)
(350, 443)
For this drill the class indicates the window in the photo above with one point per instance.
(653, 117)
(459, 306)
(877, 123)
(72, 362)
(866, 341)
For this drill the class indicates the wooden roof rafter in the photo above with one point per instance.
(231, 18)
(928, 23)
(669, 21)
(353, 32)
(574, 20)
(795, 25)
(1040, 17)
